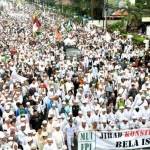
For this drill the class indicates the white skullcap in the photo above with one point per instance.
(83, 120)
(95, 120)
(144, 118)
(44, 122)
(76, 101)
(136, 106)
(9, 99)
(67, 97)
(64, 103)
(95, 101)
(59, 117)
(88, 110)
(145, 103)
(28, 103)
(80, 112)
(143, 96)
(84, 101)
(103, 109)
(49, 139)
(104, 120)
(96, 108)
(44, 134)
(125, 119)
(33, 146)
(63, 115)
(29, 131)
(53, 105)
(57, 125)
(23, 119)
(112, 123)
(2, 102)
(36, 94)
(50, 113)
(70, 113)
(10, 138)
(23, 125)
(147, 82)
(64, 147)
(33, 131)
(134, 117)
(9, 103)
(128, 106)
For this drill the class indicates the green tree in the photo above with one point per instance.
(135, 13)
(82, 6)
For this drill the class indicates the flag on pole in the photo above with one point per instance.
(36, 25)
(58, 36)
(68, 25)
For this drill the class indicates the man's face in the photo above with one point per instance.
(128, 108)
(125, 121)
(50, 142)
(70, 123)
(57, 128)
(23, 128)
(80, 115)
(89, 113)
(143, 121)
(96, 112)
(94, 124)
(7, 110)
(122, 110)
(39, 131)
(44, 125)
(146, 107)
(83, 124)
(103, 112)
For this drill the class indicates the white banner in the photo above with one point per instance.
(16, 77)
(114, 140)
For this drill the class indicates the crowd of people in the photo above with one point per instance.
(46, 98)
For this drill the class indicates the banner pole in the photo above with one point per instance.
(95, 140)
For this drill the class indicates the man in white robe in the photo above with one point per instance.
(50, 145)
(58, 137)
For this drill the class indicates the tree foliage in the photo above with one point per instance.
(135, 13)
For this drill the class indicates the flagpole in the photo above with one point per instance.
(105, 14)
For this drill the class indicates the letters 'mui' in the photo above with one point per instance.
(86, 136)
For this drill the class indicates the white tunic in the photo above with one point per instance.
(59, 138)
(50, 147)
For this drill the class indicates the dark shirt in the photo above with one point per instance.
(132, 92)
(75, 110)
